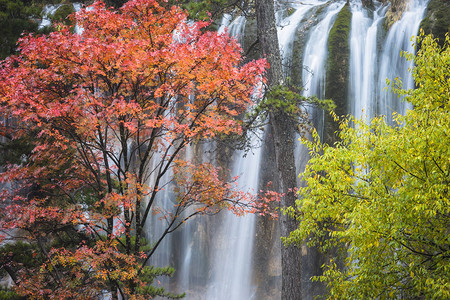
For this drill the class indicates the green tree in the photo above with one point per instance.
(382, 194)
(15, 18)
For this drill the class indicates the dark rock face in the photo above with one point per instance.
(249, 42)
(367, 3)
(62, 13)
(437, 20)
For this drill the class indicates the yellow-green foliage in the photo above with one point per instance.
(383, 193)
(6, 294)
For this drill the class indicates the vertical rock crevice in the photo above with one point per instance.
(338, 66)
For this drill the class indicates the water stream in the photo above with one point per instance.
(232, 251)
(315, 54)
(392, 65)
(232, 261)
(363, 58)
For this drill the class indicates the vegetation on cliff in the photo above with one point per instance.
(338, 68)
(437, 20)
(338, 59)
(15, 18)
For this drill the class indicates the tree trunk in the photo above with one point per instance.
(283, 137)
(267, 36)
(284, 140)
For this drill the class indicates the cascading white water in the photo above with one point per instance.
(235, 27)
(392, 65)
(155, 226)
(365, 26)
(368, 95)
(315, 54)
(77, 7)
(232, 256)
(226, 268)
(50, 9)
(288, 26)
(231, 272)
(314, 70)
(193, 266)
(186, 244)
(47, 12)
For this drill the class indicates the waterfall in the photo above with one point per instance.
(219, 259)
(314, 71)
(392, 65)
(315, 54)
(368, 93)
(48, 11)
(233, 244)
(191, 240)
(155, 226)
(288, 26)
(363, 58)
(215, 254)
(231, 270)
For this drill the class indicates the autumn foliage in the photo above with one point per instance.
(109, 112)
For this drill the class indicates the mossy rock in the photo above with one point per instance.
(62, 13)
(290, 11)
(437, 20)
(394, 13)
(284, 9)
(338, 68)
(338, 59)
(367, 3)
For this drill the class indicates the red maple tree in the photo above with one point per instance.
(109, 112)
